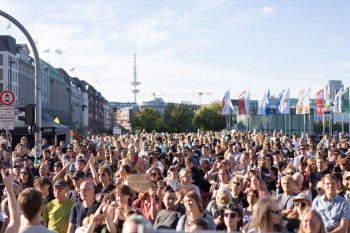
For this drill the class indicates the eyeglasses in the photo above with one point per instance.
(24, 173)
(154, 174)
(232, 215)
(275, 211)
(302, 205)
(102, 174)
(236, 183)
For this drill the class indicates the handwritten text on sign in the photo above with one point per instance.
(139, 183)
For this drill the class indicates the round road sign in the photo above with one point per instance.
(7, 98)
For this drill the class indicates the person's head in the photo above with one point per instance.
(288, 184)
(169, 198)
(321, 163)
(136, 223)
(27, 176)
(299, 179)
(156, 174)
(223, 175)
(172, 173)
(252, 196)
(302, 202)
(185, 176)
(78, 177)
(329, 185)
(311, 222)
(44, 185)
(198, 225)
(105, 174)
(319, 188)
(232, 217)
(43, 170)
(58, 166)
(255, 182)
(267, 215)
(30, 203)
(124, 170)
(60, 190)
(80, 164)
(193, 202)
(289, 170)
(123, 195)
(237, 184)
(223, 196)
(87, 191)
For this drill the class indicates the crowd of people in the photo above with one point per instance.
(228, 181)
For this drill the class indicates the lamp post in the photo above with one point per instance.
(331, 105)
(37, 80)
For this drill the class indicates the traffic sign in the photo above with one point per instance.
(6, 123)
(7, 98)
(7, 112)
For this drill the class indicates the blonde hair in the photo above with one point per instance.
(225, 190)
(315, 213)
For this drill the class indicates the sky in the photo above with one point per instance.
(184, 47)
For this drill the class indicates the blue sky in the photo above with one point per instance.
(188, 46)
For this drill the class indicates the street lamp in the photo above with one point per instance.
(331, 105)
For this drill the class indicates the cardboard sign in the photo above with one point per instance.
(139, 183)
(141, 166)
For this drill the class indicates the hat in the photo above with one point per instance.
(61, 183)
(226, 161)
(194, 143)
(302, 196)
(78, 174)
(19, 165)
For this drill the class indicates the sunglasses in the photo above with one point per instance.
(275, 211)
(302, 205)
(236, 183)
(232, 215)
(102, 174)
(154, 174)
(24, 173)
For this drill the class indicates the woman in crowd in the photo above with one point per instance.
(194, 210)
(267, 217)
(216, 206)
(123, 196)
(171, 178)
(57, 167)
(185, 176)
(171, 211)
(44, 185)
(121, 174)
(252, 198)
(26, 178)
(256, 183)
(224, 180)
(232, 219)
(243, 166)
(311, 222)
(156, 174)
(147, 202)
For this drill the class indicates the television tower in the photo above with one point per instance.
(135, 83)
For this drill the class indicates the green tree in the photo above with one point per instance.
(148, 119)
(178, 118)
(209, 118)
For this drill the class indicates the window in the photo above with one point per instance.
(1, 74)
(1, 59)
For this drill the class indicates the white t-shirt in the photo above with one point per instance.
(35, 229)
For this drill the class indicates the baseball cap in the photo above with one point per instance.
(194, 143)
(302, 196)
(78, 174)
(61, 183)
(226, 161)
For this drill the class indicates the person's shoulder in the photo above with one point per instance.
(36, 229)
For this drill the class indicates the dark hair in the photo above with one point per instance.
(30, 201)
(167, 189)
(200, 222)
(44, 180)
(30, 182)
(126, 190)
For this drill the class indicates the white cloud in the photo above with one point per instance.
(336, 40)
(268, 10)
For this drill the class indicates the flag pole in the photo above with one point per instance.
(285, 124)
(323, 125)
(304, 124)
(342, 123)
(290, 125)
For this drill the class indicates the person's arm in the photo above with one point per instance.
(14, 212)
(93, 170)
(71, 228)
(341, 228)
(153, 210)
(58, 175)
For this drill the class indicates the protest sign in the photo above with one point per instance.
(140, 183)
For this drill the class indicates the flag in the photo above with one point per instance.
(58, 51)
(226, 104)
(283, 103)
(243, 103)
(337, 101)
(300, 104)
(71, 69)
(327, 100)
(46, 51)
(57, 120)
(306, 102)
(264, 104)
(345, 101)
(320, 102)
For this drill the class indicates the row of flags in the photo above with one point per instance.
(324, 104)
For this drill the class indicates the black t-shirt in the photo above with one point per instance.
(314, 178)
(293, 225)
(77, 214)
